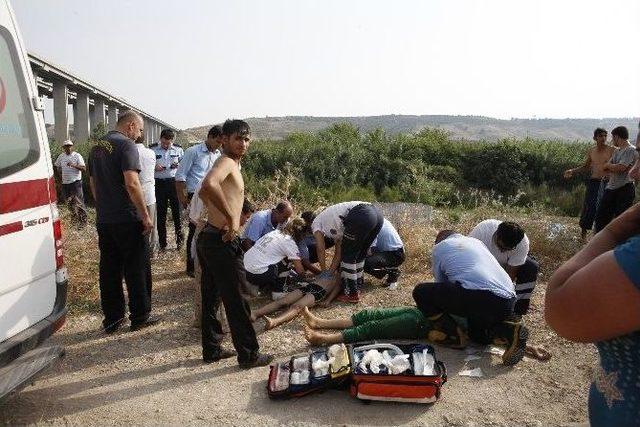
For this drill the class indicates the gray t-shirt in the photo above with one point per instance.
(624, 156)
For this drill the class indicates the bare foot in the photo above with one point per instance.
(538, 353)
(268, 323)
(312, 336)
(309, 319)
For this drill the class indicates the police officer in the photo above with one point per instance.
(198, 160)
(168, 156)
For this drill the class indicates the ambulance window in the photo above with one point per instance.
(19, 146)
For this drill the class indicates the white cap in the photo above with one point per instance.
(67, 142)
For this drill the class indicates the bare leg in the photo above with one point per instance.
(290, 314)
(316, 322)
(318, 338)
(276, 305)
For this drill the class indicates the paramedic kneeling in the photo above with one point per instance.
(473, 285)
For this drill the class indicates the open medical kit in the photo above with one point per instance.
(406, 372)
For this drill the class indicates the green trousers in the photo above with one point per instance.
(387, 323)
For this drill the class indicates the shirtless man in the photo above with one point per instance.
(219, 252)
(596, 158)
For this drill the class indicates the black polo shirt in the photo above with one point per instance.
(108, 159)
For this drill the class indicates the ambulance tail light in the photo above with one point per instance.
(57, 236)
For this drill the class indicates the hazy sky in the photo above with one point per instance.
(198, 62)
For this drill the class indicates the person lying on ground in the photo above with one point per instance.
(386, 255)
(309, 294)
(267, 262)
(594, 297)
(509, 245)
(470, 283)
(394, 323)
(353, 226)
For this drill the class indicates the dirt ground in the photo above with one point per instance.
(155, 376)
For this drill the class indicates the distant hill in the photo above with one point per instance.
(472, 128)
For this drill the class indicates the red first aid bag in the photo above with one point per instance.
(417, 385)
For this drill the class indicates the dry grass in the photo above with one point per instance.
(82, 255)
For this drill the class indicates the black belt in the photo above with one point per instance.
(165, 179)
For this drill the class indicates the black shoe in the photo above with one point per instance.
(224, 354)
(393, 276)
(260, 360)
(113, 327)
(149, 321)
(514, 337)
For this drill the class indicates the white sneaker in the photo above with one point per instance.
(393, 285)
(277, 295)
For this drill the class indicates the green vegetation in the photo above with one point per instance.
(340, 163)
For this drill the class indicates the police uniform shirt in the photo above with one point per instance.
(259, 224)
(196, 163)
(167, 158)
(388, 239)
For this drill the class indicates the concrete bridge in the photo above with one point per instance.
(91, 105)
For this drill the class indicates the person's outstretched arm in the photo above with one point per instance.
(337, 256)
(320, 250)
(334, 291)
(590, 298)
(584, 167)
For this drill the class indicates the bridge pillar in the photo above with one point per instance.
(113, 116)
(148, 134)
(60, 113)
(81, 128)
(98, 113)
(92, 118)
(156, 134)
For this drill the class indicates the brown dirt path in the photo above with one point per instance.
(155, 376)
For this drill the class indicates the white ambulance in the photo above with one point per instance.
(33, 279)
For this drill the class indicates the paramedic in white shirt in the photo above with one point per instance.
(353, 226)
(71, 164)
(470, 283)
(267, 262)
(509, 244)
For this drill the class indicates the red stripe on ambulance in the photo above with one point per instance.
(12, 227)
(17, 196)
